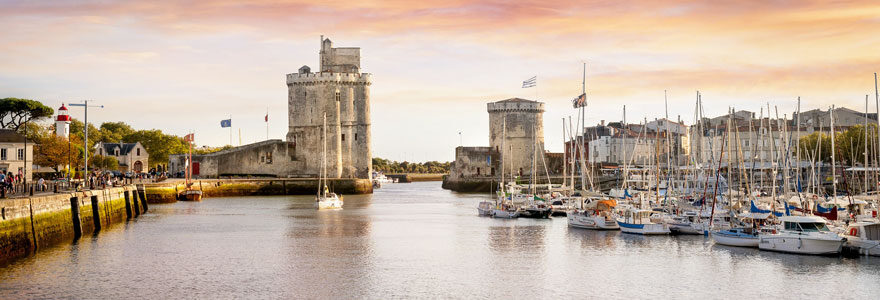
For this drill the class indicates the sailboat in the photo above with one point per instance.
(326, 199)
(189, 193)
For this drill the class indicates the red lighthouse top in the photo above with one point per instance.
(62, 114)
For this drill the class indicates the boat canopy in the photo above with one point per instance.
(756, 216)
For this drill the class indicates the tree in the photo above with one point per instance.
(158, 144)
(114, 132)
(104, 162)
(55, 151)
(15, 111)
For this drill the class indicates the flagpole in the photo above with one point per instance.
(267, 123)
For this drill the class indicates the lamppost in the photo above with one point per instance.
(86, 106)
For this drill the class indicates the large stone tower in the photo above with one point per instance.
(525, 132)
(341, 93)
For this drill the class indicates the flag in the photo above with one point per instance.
(225, 123)
(531, 82)
(267, 117)
(580, 101)
(189, 137)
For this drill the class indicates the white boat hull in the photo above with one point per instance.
(329, 204)
(800, 245)
(644, 229)
(866, 247)
(736, 241)
(591, 222)
(485, 208)
(505, 214)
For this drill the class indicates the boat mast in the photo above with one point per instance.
(833, 147)
(866, 144)
(623, 150)
(564, 163)
(877, 105)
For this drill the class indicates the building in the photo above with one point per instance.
(515, 124)
(15, 158)
(335, 100)
(62, 122)
(132, 157)
(843, 118)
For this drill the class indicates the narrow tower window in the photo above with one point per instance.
(343, 137)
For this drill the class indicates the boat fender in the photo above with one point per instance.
(800, 243)
(774, 231)
(854, 231)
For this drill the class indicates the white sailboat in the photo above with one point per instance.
(594, 213)
(326, 199)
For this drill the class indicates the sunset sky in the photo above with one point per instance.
(185, 65)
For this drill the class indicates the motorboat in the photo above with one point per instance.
(595, 213)
(560, 206)
(640, 221)
(743, 236)
(686, 223)
(801, 235)
(484, 208)
(865, 236)
(506, 210)
(536, 209)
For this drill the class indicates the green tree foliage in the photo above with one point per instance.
(115, 132)
(76, 129)
(15, 111)
(209, 150)
(387, 166)
(849, 144)
(158, 144)
(104, 163)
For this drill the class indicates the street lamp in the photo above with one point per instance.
(86, 106)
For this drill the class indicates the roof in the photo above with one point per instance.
(802, 219)
(10, 136)
(124, 148)
(516, 100)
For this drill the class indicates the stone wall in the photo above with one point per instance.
(30, 224)
(167, 192)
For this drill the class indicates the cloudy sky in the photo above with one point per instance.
(185, 65)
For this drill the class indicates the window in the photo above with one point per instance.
(100, 151)
(355, 136)
(3, 154)
(478, 171)
(116, 152)
(343, 137)
(138, 151)
(268, 157)
(337, 96)
(20, 154)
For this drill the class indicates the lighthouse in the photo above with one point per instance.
(62, 122)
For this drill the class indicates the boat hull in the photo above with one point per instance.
(643, 229)
(505, 214)
(866, 247)
(800, 245)
(591, 222)
(485, 208)
(535, 213)
(190, 195)
(735, 240)
(329, 204)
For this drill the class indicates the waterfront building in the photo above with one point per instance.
(517, 125)
(132, 157)
(338, 91)
(15, 157)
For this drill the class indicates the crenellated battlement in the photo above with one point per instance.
(329, 77)
(508, 106)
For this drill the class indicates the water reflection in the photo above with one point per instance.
(408, 241)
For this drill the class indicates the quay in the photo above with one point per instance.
(28, 224)
(166, 192)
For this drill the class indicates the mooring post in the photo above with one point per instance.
(127, 205)
(74, 215)
(137, 206)
(96, 215)
(143, 196)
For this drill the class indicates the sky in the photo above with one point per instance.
(182, 66)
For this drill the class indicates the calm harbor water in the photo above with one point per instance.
(408, 240)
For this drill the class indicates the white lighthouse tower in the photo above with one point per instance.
(62, 122)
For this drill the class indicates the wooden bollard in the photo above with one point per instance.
(96, 215)
(137, 206)
(127, 205)
(143, 196)
(74, 213)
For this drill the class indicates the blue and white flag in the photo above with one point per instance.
(225, 123)
(531, 82)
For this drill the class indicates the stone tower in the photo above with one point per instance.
(525, 131)
(339, 91)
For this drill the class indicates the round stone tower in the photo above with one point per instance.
(524, 133)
